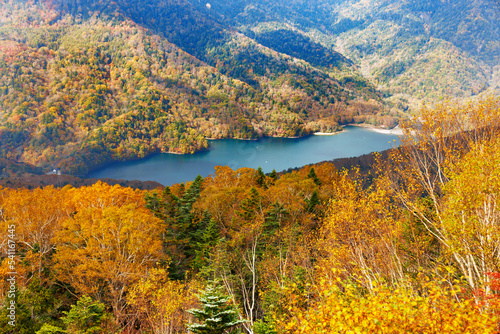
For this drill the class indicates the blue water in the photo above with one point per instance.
(268, 153)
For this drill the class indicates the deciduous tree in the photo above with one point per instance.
(107, 244)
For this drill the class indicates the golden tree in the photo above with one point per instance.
(161, 302)
(448, 154)
(109, 241)
(37, 216)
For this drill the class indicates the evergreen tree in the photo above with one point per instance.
(164, 207)
(312, 202)
(273, 218)
(188, 199)
(250, 205)
(217, 315)
(209, 237)
(312, 175)
(35, 305)
(86, 317)
(184, 234)
(273, 175)
(261, 178)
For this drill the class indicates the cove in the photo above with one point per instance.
(268, 153)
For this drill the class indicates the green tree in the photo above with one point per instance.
(312, 202)
(217, 315)
(251, 205)
(208, 240)
(86, 317)
(35, 305)
(312, 175)
(51, 329)
(182, 231)
(261, 178)
(274, 175)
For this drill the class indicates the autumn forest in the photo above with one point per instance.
(409, 246)
(402, 241)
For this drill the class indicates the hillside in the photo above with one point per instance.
(79, 92)
(84, 83)
(411, 50)
(405, 244)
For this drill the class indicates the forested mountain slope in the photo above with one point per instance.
(411, 49)
(82, 84)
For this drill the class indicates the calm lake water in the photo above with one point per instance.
(268, 153)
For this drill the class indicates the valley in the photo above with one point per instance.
(249, 166)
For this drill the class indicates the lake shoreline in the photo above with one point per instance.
(397, 131)
(277, 153)
(326, 133)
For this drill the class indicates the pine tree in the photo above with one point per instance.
(250, 205)
(208, 239)
(273, 175)
(86, 317)
(217, 316)
(164, 207)
(187, 200)
(184, 232)
(261, 178)
(312, 202)
(312, 175)
(181, 233)
(273, 218)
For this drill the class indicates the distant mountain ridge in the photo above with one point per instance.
(412, 49)
(86, 82)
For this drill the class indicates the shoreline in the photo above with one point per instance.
(394, 131)
(326, 133)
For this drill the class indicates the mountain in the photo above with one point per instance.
(80, 90)
(87, 82)
(411, 50)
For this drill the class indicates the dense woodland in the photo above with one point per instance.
(408, 242)
(410, 247)
(76, 93)
(84, 83)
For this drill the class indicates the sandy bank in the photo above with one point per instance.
(325, 133)
(394, 131)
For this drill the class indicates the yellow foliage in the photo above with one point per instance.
(446, 174)
(161, 302)
(37, 215)
(345, 308)
(359, 233)
(471, 213)
(107, 243)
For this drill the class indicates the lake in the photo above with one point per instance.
(268, 153)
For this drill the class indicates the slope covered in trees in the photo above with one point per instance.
(82, 86)
(412, 50)
(411, 248)
(84, 83)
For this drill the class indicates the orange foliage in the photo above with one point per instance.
(107, 244)
(344, 307)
